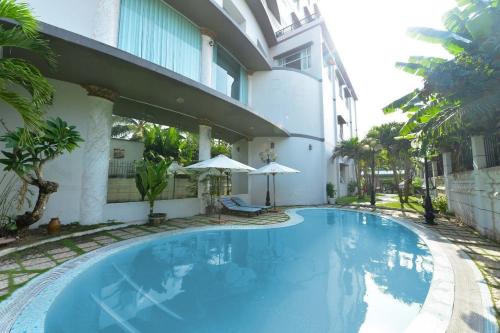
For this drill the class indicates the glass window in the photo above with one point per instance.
(300, 60)
(229, 77)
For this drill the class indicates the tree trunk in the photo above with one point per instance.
(407, 179)
(358, 178)
(45, 189)
(396, 181)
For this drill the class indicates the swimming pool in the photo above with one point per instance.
(339, 271)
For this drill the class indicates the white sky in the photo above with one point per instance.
(371, 37)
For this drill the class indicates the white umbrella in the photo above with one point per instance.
(221, 163)
(273, 169)
(175, 169)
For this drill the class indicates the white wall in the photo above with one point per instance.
(133, 149)
(306, 187)
(138, 211)
(313, 35)
(252, 28)
(474, 197)
(290, 99)
(239, 153)
(97, 19)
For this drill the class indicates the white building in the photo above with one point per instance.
(258, 73)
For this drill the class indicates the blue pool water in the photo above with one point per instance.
(338, 271)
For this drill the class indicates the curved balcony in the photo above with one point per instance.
(146, 90)
(209, 14)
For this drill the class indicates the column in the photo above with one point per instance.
(205, 135)
(96, 154)
(107, 22)
(207, 56)
(204, 142)
(434, 165)
(447, 169)
(478, 152)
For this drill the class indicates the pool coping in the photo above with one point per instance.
(435, 314)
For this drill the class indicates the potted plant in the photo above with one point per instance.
(330, 193)
(151, 180)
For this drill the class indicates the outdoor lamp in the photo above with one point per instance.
(267, 156)
(429, 211)
(373, 147)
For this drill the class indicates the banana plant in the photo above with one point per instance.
(463, 88)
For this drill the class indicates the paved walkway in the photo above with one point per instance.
(18, 268)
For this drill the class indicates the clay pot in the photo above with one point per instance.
(54, 226)
(157, 218)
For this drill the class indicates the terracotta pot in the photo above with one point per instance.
(54, 226)
(157, 218)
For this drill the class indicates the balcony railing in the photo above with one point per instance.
(297, 24)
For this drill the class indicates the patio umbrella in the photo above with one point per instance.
(175, 169)
(273, 169)
(221, 164)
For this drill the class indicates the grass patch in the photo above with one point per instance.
(348, 200)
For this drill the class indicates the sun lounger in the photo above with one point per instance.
(240, 202)
(232, 207)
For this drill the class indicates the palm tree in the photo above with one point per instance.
(353, 149)
(397, 153)
(15, 73)
(133, 129)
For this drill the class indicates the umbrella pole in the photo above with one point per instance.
(219, 203)
(173, 191)
(274, 191)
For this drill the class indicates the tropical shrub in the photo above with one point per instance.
(151, 179)
(417, 184)
(27, 158)
(440, 203)
(351, 187)
(330, 190)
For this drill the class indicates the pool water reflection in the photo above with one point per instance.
(339, 271)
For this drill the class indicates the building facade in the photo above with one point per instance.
(261, 74)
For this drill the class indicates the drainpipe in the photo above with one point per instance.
(335, 161)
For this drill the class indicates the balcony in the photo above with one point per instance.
(297, 24)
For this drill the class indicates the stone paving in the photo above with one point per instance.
(18, 268)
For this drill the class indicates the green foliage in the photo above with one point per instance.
(440, 203)
(330, 190)
(220, 147)
(417, 183)
(188, 153)
(129, 128)
(162, 142)
(15, 73)
(463, 89)
(151, 179)
(351, 187)
(27, 157)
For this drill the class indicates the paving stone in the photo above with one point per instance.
(58, 250)
(8, 265)
(4, 291)
(21, 278)
(107, 241)
(87, 245)
(41, 263)
(118, 233)
(4, 284)
(63, 255)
